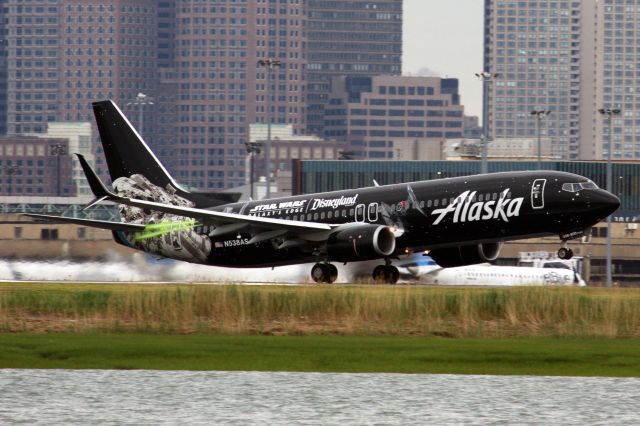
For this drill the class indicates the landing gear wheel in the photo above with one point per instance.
(333, 273)
(386, 274)
(324, 273)
(378, 274)
(565, 253)
(392, 275)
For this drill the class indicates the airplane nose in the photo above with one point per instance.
(605, 202)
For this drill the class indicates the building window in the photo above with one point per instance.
(17, 232)
(82, 232)
(48, 234)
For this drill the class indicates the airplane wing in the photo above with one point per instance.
(103, 224)
(224, 222)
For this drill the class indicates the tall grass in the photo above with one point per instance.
(349, 310)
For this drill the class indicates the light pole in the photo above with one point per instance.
(269, 64)
(141, 100)
(58, 150)
(608, 114)
(10, 171)
(485, 77)
(253, 148)
(539, 114)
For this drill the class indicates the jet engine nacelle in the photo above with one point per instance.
(360, 242)
(466, 255)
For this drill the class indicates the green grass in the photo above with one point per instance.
(521, 356)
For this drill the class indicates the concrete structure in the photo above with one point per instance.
(572, 58)
(377, 115)
(610, 79)
(286, 146)
(77, 138)
(535, 48)
(499, 149)
(28, 166)
(221, 88)
(23, 238)
(65, 54)
(472, 130)
(349, 37)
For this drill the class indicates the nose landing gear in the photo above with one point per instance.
(565, 253)
(324, 273)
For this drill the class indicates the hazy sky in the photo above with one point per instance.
(444, 38)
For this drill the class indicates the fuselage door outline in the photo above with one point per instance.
(537, 194)
(372, 213)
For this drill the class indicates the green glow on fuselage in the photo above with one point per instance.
(159, 229)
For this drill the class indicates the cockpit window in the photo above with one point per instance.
(575, 187)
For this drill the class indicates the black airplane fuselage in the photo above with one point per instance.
(425, 215)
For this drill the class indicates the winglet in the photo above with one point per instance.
(97, 187)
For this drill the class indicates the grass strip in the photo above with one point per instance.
(321, 310)
(357, 354)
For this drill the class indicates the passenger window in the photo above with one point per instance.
(444, 201)
(428, 203)
(329, 214)
(322, 215)
(308, 216)
(422, 204)
(480, 197)
(315, 216)
(436, 202)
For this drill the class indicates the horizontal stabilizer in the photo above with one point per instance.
(102, 224)
(97, 187)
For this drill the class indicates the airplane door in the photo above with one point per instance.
(372, 213)
(537, 193)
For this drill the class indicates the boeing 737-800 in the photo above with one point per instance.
(460, 221)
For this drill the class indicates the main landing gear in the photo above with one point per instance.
(386, 273)
(324, 273)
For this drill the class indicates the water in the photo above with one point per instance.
(138, 397)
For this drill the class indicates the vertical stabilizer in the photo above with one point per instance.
(125, 151)
(127, 154)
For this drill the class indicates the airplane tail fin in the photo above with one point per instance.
(127, 154)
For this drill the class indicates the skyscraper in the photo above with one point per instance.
(221, 87)
(611, 79)
(349, 37)
(64, 54)
(535, 48)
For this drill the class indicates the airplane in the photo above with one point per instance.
(420, 268)
(460, 221)
(491, 275)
